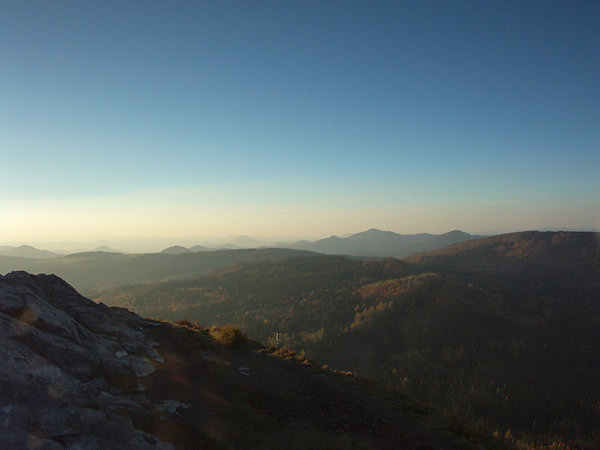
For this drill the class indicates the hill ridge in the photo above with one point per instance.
(379, 243)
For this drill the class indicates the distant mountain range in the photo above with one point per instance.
(179, 249)
(27, 251)
(240, 242)
(373, 242)
(380, 243)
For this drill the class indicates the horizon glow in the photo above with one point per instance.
(178, 123)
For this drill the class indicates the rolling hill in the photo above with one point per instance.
(27, 251)
(558, 265)
(175, 250)
(178, 249)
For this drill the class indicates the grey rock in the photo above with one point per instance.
(118, 432)
(171, 406)
(85, 417)
(88, 442)
(142, 367)
(125, 404)
(120, 374)
(60, 353)
(115, 391)
(13, 437)
(41, 443)
(97, 384)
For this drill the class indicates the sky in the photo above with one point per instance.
(184, 121)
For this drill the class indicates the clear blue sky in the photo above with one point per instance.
(190, 119)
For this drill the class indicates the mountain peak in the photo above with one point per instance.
(372, 233)
(175, 250)
(245, 241)
(456, 233)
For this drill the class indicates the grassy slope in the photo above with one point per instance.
(283, 401)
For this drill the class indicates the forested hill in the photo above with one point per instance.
(481, 339)
(91, 271)
(310, 283)
(548, 260)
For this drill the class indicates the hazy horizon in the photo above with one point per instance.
(147, 122)
(158, 244)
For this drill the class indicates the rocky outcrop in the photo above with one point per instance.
(70, 368)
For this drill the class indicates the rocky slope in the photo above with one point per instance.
(70, 366)
(77, 374)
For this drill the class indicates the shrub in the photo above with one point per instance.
(229, 336)
(184, 323)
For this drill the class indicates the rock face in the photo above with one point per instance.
(69, 368)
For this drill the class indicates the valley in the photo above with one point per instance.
(502, 330)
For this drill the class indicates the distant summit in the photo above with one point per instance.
(244, 241)
(373, 233)
(176, 250)
(200, 248)
(104, 248)
(180, 249)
